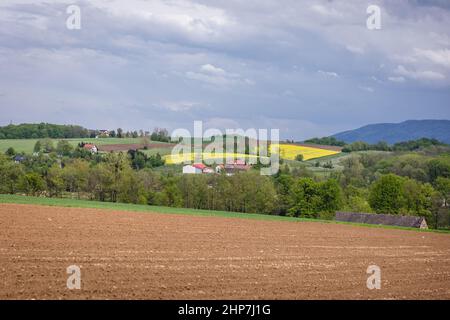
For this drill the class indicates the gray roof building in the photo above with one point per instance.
(383, 219)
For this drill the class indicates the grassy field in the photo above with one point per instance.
(154, 151)
(18, 199)
(27, 145)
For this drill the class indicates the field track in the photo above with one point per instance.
(168, 256)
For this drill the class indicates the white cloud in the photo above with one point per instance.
(355, 49)
(397, 79)
(193, 20)
(368, 89)
(328, 74)
(179, 105)
(439, 57)
(426, 75)
(217, 76)
(325, 10)
(209, 68)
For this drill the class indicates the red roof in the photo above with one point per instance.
(238, 162)
(200, 166)
(89, 146)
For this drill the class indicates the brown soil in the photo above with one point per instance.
(132, 146)
(155, 256)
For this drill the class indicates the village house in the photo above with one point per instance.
(19, 158)
(197, 168)
(90, 147)
(233, 167)
(103, 134)
(229, 169)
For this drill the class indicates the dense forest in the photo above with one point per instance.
(44, 130)
(410, 183)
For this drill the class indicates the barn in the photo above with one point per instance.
(383, 219)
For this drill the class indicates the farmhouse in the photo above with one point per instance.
(233, 167)
(383, 219)
(197, 168)
(103, 134)
(19, 159)
(90, 147)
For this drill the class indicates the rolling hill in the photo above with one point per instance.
(397, 132)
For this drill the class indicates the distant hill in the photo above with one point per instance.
(397, 132)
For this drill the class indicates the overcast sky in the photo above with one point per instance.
(309, 68)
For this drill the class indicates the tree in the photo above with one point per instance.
(119, 133)
(117, 164)
(100, 181)
(75, 176)
(305, 199)
(170, 194)
(32, 183)
(386, 194)
(330, 195)
(10, 175)
(417, 197)
(47, 145)
(155, 160)
(160, 134)
(299, 157)
(131, 188)
(353, 171)
(443, 187)
(10, 152)
(55, 181)
(37, 146)
(64, 148)
(283, 184)
(438, 168)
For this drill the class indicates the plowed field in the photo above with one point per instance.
(166, 256)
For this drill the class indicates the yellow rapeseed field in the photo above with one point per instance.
(180, 158)
(287, 151)
(290, 151)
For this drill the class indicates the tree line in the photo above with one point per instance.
(412, 145)
(44, 130)
(56, 131)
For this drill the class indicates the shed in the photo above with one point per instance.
(383, 219)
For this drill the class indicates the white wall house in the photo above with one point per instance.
(91, 147)
(190, 169)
